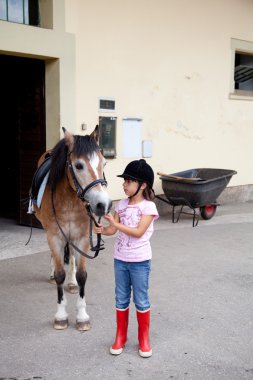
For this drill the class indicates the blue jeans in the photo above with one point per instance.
(132, 275)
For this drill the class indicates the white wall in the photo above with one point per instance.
(169, 63)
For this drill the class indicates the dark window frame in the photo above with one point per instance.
(30, 13)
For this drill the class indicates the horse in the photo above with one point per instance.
(75, 181)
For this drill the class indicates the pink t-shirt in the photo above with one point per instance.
(128, 248)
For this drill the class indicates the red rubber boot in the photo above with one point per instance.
(143, 333)
(121, 335)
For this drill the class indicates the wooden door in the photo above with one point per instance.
(22, 104)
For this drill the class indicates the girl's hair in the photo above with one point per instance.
(149, 194)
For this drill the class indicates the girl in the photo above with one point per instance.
(133, 219)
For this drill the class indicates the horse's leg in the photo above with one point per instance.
(72, 283)
(82, 318)
(52, 279)
(61, 316)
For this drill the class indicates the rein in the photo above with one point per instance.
(81, 195)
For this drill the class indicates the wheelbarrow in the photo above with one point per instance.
(195, 188)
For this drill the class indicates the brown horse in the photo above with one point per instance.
(75, 179)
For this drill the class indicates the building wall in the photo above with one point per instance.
(169, 63)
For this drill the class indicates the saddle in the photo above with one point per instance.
(39, 176)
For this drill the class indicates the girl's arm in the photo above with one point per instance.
(136, 232)
(109, 230)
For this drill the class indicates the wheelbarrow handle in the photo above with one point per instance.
(179, 178)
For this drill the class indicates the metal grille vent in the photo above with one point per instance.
(106, 104)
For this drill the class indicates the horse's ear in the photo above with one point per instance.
(95, 134)
(69, 138)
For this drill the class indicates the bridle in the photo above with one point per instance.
(81, 195)
(79, 190)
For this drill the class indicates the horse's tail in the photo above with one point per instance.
(66, 253)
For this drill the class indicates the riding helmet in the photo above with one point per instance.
(140, 171)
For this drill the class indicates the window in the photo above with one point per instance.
(20, 11)
(243, 75)
(242, 70)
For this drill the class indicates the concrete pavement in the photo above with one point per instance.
(202, 310)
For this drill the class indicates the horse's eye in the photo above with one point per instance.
(79, 166)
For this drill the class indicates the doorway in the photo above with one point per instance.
(23, 132)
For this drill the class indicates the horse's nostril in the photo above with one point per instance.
(101, 208)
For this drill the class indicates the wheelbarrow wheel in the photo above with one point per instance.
(208, 211)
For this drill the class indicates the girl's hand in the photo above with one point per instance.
(109, 229)
(99, 229)
(110, 219)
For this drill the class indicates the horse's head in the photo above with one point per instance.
(86, 170)
(80, 158)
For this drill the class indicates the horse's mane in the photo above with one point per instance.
(83, 146)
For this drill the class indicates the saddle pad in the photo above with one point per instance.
(42, 190)
(39, 176)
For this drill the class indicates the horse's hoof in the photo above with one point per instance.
(73, 289)
(52, 280)
(83, 326)
(61, 325)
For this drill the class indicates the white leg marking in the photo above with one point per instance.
(61, 313)
(72, 271)
(82, 316)
(52, 268)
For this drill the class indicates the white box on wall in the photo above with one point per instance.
(132, 137)
(146, 148)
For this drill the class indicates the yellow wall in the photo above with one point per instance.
(169, 63)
